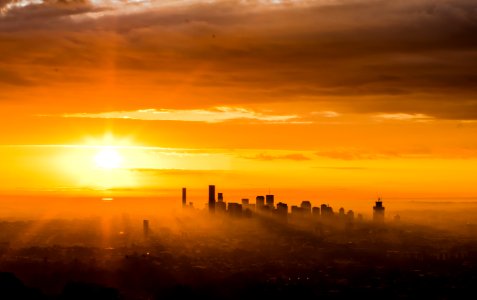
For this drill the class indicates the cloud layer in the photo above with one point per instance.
(412, 57)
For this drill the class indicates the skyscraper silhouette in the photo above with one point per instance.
(306, 206)
(260, 201)
(270, 200)
(211, 198)
(350, 215)
(282, 210)
(341, 212)
(296, 211)
(316, 211)
(326, 210)
(235, 209)
(220, 205)
(184, 197)
(378, 211)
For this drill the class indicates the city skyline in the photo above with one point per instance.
(265, 205)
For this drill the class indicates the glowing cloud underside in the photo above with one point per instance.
(219, 114)
(122, 5)
(404, 117)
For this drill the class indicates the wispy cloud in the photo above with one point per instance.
(215, 115)
(404, 117)
(326, 114)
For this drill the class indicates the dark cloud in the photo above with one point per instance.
(50, 9)
(414, 56)
(13, 78)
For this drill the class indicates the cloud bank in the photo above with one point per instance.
(369, 56)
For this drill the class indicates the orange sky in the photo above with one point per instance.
(326, 99)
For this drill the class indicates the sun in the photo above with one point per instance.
(108, 158)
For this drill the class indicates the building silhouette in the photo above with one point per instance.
(260, 202)
(341, 212)
(350, 215)
(270, 200)
(246, 205)
(315, 211)
(220, 205)
(184, 197)
(378, 211)
(296, 210)
(306, 206)
(326, 210)
(235, 209)
(282, 210)
(211, 198)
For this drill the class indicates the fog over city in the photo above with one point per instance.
(249, 248)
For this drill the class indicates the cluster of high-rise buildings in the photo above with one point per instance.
(266, 204)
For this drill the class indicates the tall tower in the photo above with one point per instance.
(270, 200)
(378, 211)
(184, 197)
(211, 198)
(260, 202)
(220, 205)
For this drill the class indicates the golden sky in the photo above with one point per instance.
(330, 99)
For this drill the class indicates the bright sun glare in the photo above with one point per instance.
(108, 158)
